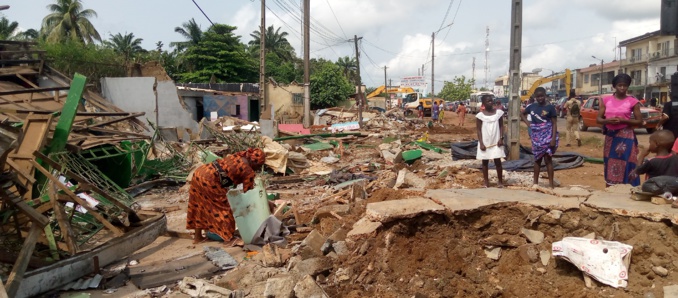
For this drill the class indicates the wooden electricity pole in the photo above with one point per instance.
(514, 70)
(262, 58)
(433, 65)
(307, 67)
(359, 96)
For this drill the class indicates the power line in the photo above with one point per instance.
(453, 19)
(335, 18)
(368, 56)
(328, 34)
(203, 13)
(446, 14)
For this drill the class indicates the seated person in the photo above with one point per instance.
(665, 163)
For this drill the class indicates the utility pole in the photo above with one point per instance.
(388, 97)
(359, 97)
(433, 65)
(473, 74)
(307, 67)
(514, 78)
(262, 58)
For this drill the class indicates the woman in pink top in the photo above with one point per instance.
(619, 113)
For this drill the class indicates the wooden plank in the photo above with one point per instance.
(17, 274)
(37, 218)
(21, 172)
(27, 81)
(82, 182)
(116, 120)
(118, 132)
(77, 199)
(32, 139)
(60, 214)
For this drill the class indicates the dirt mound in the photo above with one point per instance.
(438, 256)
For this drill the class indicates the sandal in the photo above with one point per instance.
(234, 242)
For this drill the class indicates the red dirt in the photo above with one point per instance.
(438, 256)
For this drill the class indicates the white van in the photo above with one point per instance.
(475, 102)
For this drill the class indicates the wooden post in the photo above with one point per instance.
(19, 269)
(64, 225)
(3, 292)
(77, 199)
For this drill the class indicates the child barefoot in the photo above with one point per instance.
(544, 134)
(664, 164)
(490, 138)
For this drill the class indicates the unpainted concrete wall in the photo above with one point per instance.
(281, 97)
(136, 95)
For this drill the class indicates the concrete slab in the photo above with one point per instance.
(363, 229)
(387, 211)
(567, 192)
(622, 204)
(466, 199)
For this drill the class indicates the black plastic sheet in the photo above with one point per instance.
(561, 160)
(660, 185)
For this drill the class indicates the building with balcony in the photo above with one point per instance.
(588, 79)
(651, 59)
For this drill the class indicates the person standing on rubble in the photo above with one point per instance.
(490, 129)
(435, 111)
(208, 207)
(543, 123)
(573, 107)
(420, 109)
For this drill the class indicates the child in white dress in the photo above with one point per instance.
(490, 129)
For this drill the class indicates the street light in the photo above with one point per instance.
(600, 79)
(433, 58)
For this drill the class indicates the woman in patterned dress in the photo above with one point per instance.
(208, 207)
(621, 146)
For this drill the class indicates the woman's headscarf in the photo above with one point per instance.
(256, 157)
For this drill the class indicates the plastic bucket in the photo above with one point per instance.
(250, 209)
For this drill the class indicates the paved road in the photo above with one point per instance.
(641, 134)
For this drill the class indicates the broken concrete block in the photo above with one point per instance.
(326, 211)
(387, 211)
(661, 271)
(570, 193)
(202, 288)
(533, 236)
(503, 241)
(307, 287)
(314, 241)
(220, 257)
(545, 257)
(400, 179)
(327, 247)
(342, 274)
(282, 287)
(338, 235)
(493, 253)
(671, 291)
(340, 248)
(358, 192)
(231, 280)
(312, 266)
(528, 253)
(271, 255)
(363, 229)
(415, 181)
(388, 156)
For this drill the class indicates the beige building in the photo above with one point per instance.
(501, 86)
(287, 101)
(588, 79)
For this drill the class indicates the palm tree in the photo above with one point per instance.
(125, 44)
(348, 67)
(7, 28)
(276, 42)
(30, 34)
(69, 20)
(189, 30)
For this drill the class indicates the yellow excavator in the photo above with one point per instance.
(382, 89)
(525, 95)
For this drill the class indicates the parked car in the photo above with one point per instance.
(449, 106)
(589, 112)
(560, 107)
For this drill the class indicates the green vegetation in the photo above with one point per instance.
(69, 20)
(458, 89)
(327, 88)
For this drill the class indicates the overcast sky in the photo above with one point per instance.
(557, 34)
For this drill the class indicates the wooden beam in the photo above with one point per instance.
(37, 218)
(133, 115)
(19, 61)
(82, 181)
(21, 264)
(118, 132)
(64, 226)
(3, 292)
(26, 80)
(77, 199)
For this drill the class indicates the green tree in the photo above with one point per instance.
(30, 34)
(219, 55)
(191, 31)
(349, 67)
(127, 45)
(328, 86)
(458, 89)
(284, 72)
(69, 20)
(276, 42)
(7, 28)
